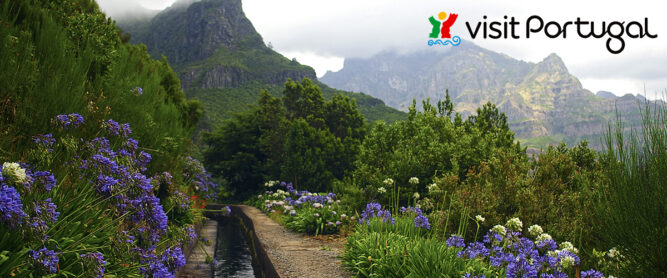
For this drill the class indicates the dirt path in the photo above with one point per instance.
(296, 255)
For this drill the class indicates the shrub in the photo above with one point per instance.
(636, 166)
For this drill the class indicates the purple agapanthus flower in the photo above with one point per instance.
(69, 121)
(592, 273)
(455, 241)
(11, 208)
(173, 258)
(45, 140)
(95, 261)
(45, 178)
(45, 259)
(422, 222)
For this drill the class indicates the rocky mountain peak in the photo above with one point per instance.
(552, 63)
(189, 31)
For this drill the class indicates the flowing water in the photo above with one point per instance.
(232, 251)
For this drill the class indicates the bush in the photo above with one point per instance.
(636, 166)
(302, 211)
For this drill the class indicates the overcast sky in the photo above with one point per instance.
(322, 33)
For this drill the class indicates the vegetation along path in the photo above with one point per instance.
(293, 254)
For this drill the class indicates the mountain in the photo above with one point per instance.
(544, 103)
(222, 60)
(605, 94)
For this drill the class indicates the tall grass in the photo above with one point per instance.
(633, 210)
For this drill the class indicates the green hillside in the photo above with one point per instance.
(222, 61)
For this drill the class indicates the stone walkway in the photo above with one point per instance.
(293, 254)
(196, 265)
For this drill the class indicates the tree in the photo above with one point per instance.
(304, 100)
(306, 151)
(234, 154)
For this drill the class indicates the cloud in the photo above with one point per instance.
(323, 32)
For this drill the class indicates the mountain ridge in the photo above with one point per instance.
(545, 104)
(222, 60)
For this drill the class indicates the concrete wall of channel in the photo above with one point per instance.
(260, 260)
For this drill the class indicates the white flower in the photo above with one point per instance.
(317, 205)
(280, 191)
(433, 187)
(343, 216)
(316, 215)
(567, 246)
(333, 212)
(535, 230)
(499, 229)
(14, 170)
(414, 180)
(292, 212)
(280, 203)
(514, 224)
(416, 195)
(543, 237)
(388, 181)
(259, 196)
(275, 195)
(567, 261)
(479, 218)
(381, 190)
(613, 253)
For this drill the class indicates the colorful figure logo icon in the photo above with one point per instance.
(442, 29)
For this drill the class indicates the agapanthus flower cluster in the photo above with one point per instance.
(45, 213)
(181, 199)
(413, 180)
(45, 259)
(114, 128)
(114, 170)
(45, 140)
(422, 222)
(11, 208)
(455, 241)
(39, 214)
(310, 210)
(94, 263)
(173, 258)
(521, 256)
(202, 183)
(66, 122)
(375, 210)
(419, 219)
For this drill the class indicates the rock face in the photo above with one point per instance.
(211, 44)
(541, 100)
(223, 61)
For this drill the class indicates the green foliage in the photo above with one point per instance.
(301, 138)
(552, 189)
(429, 144)
(388, 254)
(62, 57)
(636, 166)
(62, 65)
(313, 221)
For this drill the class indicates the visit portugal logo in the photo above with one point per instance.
(440, 33)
